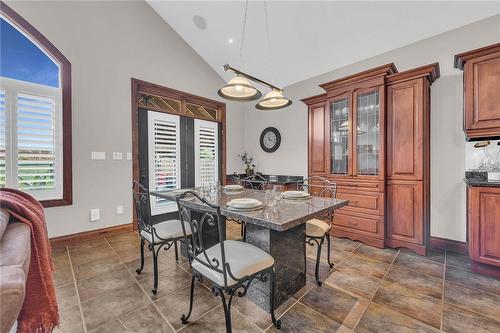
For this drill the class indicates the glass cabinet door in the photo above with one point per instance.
(367, 133)
(339, 136)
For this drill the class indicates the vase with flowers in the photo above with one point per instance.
(248, 161)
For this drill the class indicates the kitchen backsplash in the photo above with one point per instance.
(474, 157)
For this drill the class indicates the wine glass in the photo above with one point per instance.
(270, 197)
(278, 191)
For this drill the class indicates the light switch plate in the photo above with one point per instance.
(117, 155)
(119, 209)
(95, 215)
(129, 156)
(98, 155)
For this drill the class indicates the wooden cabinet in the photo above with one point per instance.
(481, 85)
(318, 154)
(484, 225)
(375, 137)
(408, 162)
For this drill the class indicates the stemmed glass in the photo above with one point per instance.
(278, 191)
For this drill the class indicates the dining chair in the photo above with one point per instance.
(159, 235)
(229, 265)
(318, 229)
(256, 182)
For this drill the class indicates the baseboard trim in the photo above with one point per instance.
(449, 244)
(117, 229)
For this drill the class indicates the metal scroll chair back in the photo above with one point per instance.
(204, 217)
(142, 207)
(319, 187)
(256, 182)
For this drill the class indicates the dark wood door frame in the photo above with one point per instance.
(143, 87)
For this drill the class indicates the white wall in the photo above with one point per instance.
(107, 43)
(447, 139)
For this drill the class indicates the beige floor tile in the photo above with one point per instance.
(174, 305)
(473, 299)
(301, 318)
(415, 295)
(457, 320)
(379, 319)
(473, 280)
(213, 322)
(420, 265)
(336, 305)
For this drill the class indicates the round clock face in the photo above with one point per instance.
(270, 139)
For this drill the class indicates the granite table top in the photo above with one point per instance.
(285, 215)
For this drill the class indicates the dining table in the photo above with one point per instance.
(279, 229)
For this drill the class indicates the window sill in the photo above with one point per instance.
(56, 202)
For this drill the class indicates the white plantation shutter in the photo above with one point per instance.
(3, 136)
(31, 138)
(36, 142)
(164, 158)
(206, 152)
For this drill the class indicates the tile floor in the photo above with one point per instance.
(368, 290)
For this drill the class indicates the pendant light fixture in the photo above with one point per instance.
(240, 88)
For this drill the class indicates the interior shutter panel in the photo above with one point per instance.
(164, 159)
(3, 136)
(36, 142)
(206, 152)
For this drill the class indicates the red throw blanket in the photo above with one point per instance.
(39, 312)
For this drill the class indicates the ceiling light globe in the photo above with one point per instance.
(239, 89)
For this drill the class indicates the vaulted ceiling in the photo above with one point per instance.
(307, 38)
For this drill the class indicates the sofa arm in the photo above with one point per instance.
(12, 291)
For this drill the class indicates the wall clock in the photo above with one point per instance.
(270, 139)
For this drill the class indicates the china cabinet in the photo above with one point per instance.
(481, 85)
(369, 133)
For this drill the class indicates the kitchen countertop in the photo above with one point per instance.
(277, 179)
(481, 182)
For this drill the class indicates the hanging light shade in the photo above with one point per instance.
(239, 89)
(273, 100)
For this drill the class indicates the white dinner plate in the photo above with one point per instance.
(233, 187)
(296, 194)
(246, 209)
(242, 203)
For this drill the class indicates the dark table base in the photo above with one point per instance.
(289, 253)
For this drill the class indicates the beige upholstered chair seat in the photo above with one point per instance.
(167, 230)
(244, 259)
(316, 228)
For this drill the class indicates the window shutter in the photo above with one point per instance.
(36, 142)
(206, 152)
(164, 159)
(3, 136)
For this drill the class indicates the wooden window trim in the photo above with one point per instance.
(143, 87)
(65, 70)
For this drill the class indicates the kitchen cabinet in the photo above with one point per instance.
(481, 85)
(375, 133)
(483, 210)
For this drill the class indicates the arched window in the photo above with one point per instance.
(35, 112)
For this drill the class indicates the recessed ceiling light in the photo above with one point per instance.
(230, 41)
(200, 22)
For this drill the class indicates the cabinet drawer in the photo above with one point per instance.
(363, 202)
(348, 186)
(363, 224)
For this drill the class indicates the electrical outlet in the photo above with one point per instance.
(117, 155)
(129, 156)
(95, 215)
(119, 209)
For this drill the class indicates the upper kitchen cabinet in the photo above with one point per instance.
(481, 91)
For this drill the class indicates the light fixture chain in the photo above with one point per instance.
(243, 32)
